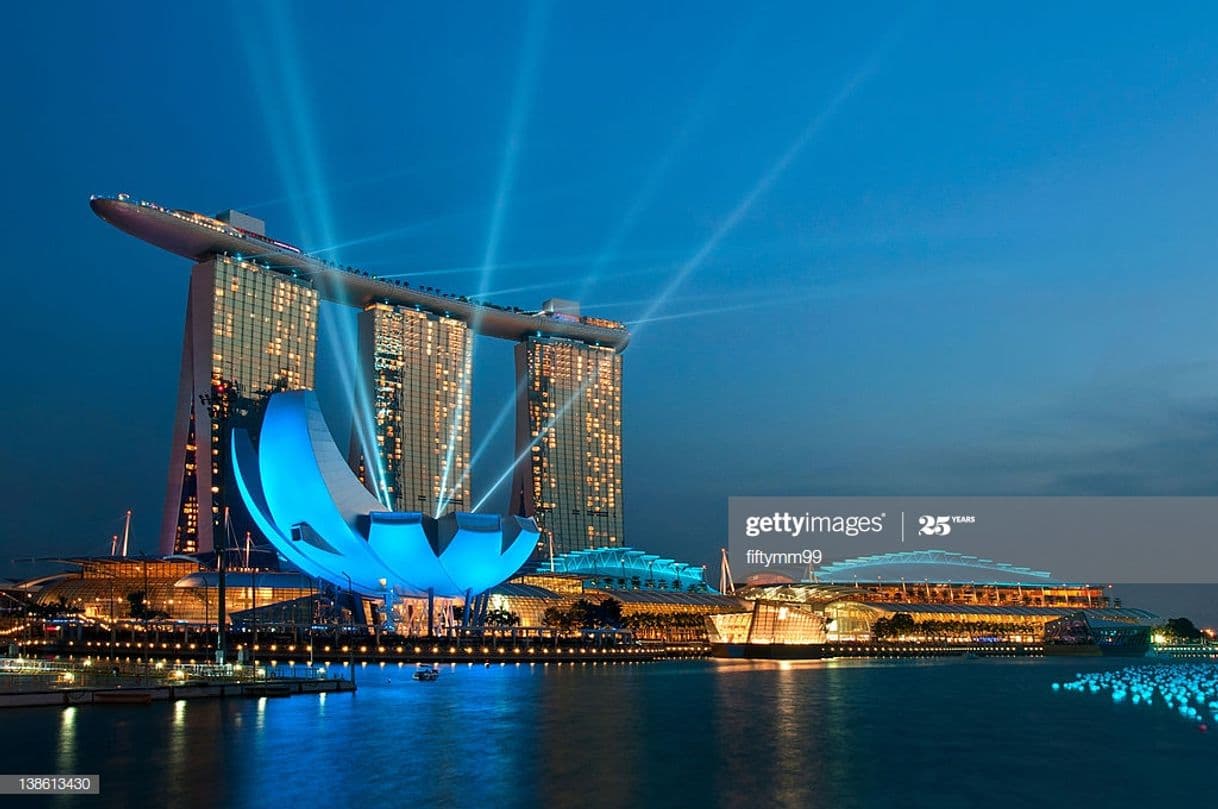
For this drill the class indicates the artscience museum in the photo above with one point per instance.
(317, 514)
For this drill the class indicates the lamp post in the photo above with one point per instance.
(144, 602)
(113, 628)
(110, 577)
(314, 600)
(253, 609)
(387, 619)
(222, 596)
(351, 641)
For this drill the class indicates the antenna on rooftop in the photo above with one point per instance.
(726, 585)
(126, 532)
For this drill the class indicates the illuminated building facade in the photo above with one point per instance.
(249, 332)
(319, 516)
(179, 589)
(569, 430)
(924, 598)
(622, 568)
(252, 328)
(419, 364)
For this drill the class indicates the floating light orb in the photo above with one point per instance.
(1188, 689)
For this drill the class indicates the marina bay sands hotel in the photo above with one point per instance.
(251, 330)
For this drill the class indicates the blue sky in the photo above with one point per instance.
(951, 248)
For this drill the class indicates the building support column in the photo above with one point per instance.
(431, 612)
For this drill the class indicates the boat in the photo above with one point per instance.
(426, 673)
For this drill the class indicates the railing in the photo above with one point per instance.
(28, 674)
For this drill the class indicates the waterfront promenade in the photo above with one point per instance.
(28, 682)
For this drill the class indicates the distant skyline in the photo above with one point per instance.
(953, 250)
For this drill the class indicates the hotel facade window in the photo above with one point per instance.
(569, 427)
(249, 332)
(420, 365)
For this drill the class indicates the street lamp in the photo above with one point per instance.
(388, 618)
(351, 641)
(315, 601)
(144, 602)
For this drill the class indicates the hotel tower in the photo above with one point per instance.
(251, 330)
(419, 363)
(569, 432)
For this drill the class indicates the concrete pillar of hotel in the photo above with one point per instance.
(521, 501)
(194, 392)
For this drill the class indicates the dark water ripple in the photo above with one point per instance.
(938, 734)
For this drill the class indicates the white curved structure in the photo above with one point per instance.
(317, 514)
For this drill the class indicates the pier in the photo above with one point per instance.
(30, 682)
(352, 646)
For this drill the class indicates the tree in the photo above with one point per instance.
(502, 618)
(609, 613)
(581, 615)
(1181, 629)
(62, 608)
(140, 609)
(584, 614)
(556, 617)
(136, 602)
(902, 624)
(667, 625)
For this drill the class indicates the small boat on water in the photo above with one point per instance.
(426, 673)
(122, 697)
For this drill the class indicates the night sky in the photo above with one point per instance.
(945, 249)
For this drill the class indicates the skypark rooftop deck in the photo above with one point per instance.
(198, 237)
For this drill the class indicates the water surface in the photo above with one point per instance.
(953, 733)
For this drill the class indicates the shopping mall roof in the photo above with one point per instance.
(516, 590)
(1120, 614)
(634, 597)
(933, 566)
(804, 593)
(651, 570)
(664, 597)
(244, 578)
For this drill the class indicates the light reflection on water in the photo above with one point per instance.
(179, 735)
(857, 733)
(65, 758)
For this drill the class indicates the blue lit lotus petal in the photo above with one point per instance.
(522, 546)
(400, 539)
(303, 478)
(243, 459)
(314, 510)
(472, 557)
(475, 558)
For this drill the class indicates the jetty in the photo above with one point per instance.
(27, 682)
